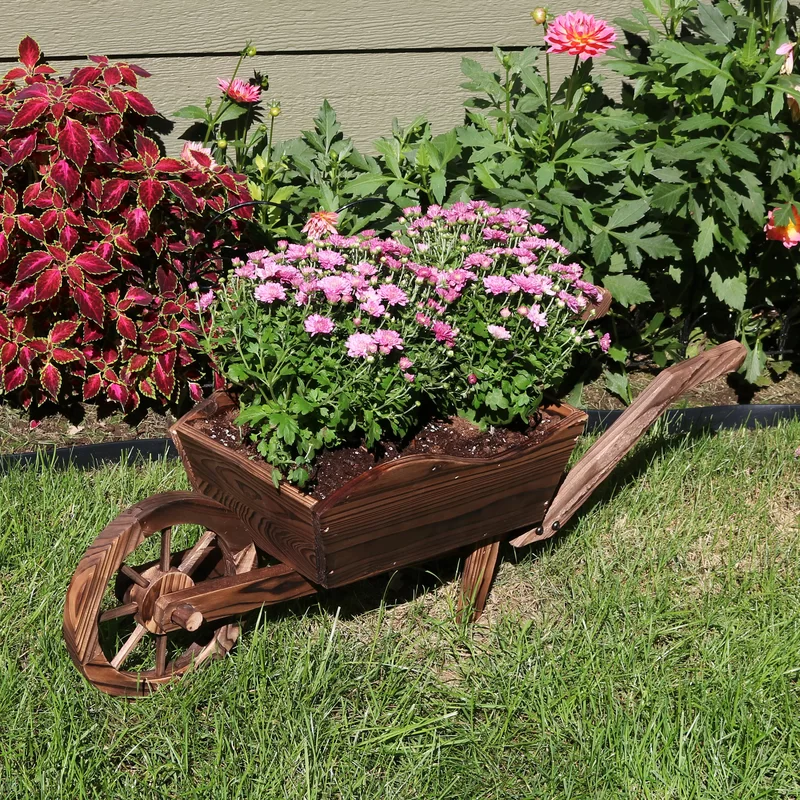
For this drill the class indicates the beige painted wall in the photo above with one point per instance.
(321, 49)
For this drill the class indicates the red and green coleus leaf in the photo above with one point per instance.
(32, 264)
(48, 284)
(22, 147)
(150, 193)
(126, 327)
(114, 190)
(63, 174)
(14, 378)
(92, 386)
(50, 378)
(62, 331)
(90, 301)
(163, 373)
(138, 224)
(88, 100)
(74, 142)
(30, 111)
(29, 52)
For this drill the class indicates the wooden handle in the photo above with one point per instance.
(617, 441)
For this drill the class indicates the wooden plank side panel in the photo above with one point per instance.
(422, 507)
(181, 26)
(279, 521)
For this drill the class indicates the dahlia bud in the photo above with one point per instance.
(222, 143)
(275, 108)
(588, 88)
(250, 51)
(539, 15)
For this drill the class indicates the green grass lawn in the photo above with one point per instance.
(653, 651)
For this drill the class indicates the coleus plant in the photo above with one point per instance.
(102, 239)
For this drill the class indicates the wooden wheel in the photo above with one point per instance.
(109, 623)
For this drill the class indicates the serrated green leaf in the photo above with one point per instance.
(364, 184)
(627, 213)
(192, 112)
(544, 175)
(719, 28)
(666, 196)
(627, 290)
(704, 243)
(732, 291)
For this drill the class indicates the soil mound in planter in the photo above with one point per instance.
(334, 468)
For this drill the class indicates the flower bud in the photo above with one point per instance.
(450, 353)
(588, 88)
(370, 359)
(505, 313)
(222, 143)
(472, 379)
(250, 51)
(539, 15)
(275, 108)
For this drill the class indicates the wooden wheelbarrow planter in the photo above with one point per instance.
(401, 513)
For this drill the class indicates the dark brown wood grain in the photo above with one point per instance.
(103, 562)
(279, 520)
(420, 507)
(476, 580)
(618, 440)
(402, 512)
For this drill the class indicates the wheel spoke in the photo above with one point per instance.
(197, 553)
(130, 643)
(119, 611)
(166, 546)
(131, 573)
(161, 655)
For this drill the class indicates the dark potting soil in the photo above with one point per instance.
(333, 468)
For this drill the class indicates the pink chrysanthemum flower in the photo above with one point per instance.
(270, 292)
(787, 51)
(579, 34)
(360, 345)
(387, 340)
(497, 284)
(330, 259)
(405, 363)
(191, 150)
(409, 377)
(320, 223)
(239, 91)
(537, 318)
(472, 379)
(499, 332)
(444, 333)
(205, 300)
(335, 288)
(316, 324)
(393, 295)
(605, 342)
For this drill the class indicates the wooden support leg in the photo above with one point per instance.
(476, 579)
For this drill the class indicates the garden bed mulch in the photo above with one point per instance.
(93, 427)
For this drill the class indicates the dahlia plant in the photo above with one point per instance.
(465, 310)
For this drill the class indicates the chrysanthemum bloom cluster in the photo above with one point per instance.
(580, 35)
(466, 310)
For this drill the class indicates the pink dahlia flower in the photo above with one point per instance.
(579, 35)
(387, 341)
(196, 155)
(316, 324)
(239, 91)
(270, 292)
(360, 345)
(320, 223)
(499, 332)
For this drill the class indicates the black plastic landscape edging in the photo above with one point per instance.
(678, 420)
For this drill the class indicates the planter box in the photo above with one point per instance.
(402, 512)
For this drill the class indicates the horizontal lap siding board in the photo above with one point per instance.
(187, 44)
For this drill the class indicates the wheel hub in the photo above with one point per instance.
(161, 583)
